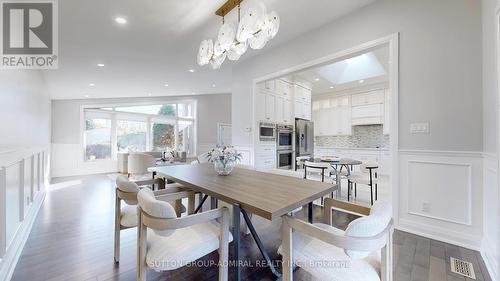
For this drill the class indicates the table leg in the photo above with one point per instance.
(201, 204)
(256, 238)
(310, 212)
(153, 175)
(236, 241)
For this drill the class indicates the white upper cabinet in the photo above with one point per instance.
(303, 105)
(332, 117)
(387, 113)
(270, 108)
(283, 88)
(269, 86)
(368, 108)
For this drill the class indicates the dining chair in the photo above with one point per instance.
(323, 169)
(173, 242)
(138, 164)
(368, 175)
(299, 162)
(362, 252)
(126, 215)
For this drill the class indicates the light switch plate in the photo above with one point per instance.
(419, 128)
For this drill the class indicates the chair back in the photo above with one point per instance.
(317, 166)
(127, 190)
(372, 225)
(138, 163)
(364, 167)
(156, 208)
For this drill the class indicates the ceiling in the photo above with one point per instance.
(158, 44)
(368, 68)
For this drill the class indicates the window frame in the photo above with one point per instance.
(149, 119)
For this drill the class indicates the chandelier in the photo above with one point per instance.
(255, 28)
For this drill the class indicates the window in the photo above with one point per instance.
(97, 138)
(131, 136)
(136, 128)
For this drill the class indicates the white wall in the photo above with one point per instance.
(440, 67)
(25, 114)
(440, 81)
(491, 237)
(67, 144)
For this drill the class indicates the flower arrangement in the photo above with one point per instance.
(224, 159)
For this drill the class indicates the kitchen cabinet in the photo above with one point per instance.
(284, 88)
(270, 107)
(265, 156)
(302, 102)
(269, 86)
(288, 117)
(368, 108)
(332, 117)
(387, 113)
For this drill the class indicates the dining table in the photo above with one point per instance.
(338, 164)
(267, 195)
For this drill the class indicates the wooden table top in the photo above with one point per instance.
(267, 195)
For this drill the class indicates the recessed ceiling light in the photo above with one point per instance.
(193, 93)
(91, 84)
(361, 81)
(213, 85)
(87, 96)
(166, 85)
(316, 79)
(120, 20)
(149, 94)
(331, 87)
(191, 70)
(100, 64)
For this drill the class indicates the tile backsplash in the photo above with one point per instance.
(367, 136)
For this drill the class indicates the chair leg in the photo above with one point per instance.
(117, 228)
(348, 189)
(371, 194)
(141, 248)
(355, 190)
(376, 191)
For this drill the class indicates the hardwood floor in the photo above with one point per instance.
(72, 239)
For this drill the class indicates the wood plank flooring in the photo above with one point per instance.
(72, 239)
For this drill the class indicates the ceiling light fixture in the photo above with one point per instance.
(120, 20)
(91, 84)
(255, 28)
(100, 64)
(191, 70)
(166, 85)
(331, 87)
(87, 96)
(316, 79)
(361, 81)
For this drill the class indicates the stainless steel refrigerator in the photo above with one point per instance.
(304, 137)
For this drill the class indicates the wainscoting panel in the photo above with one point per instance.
(441, 195)
(491, 249)
(23, 177)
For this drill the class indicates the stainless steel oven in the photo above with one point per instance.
(267, 131)
(285, 137)
(285, 159)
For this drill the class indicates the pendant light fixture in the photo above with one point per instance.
(254, 29)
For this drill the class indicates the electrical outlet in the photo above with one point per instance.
(426, 207)
(419, 128)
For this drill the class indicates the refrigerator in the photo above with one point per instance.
(304, 137)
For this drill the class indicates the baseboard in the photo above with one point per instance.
(441, 234)
(9, 262)
(490, 259)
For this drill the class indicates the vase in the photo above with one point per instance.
(224, 168)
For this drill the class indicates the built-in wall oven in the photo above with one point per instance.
(284, 147)
(267, 131)
(285, 159)
(285, 137)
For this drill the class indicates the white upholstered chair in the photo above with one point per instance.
(166, 242)
(367, 176)
(126, 214)
(138, 164)
(362, 252)
(299, 162)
